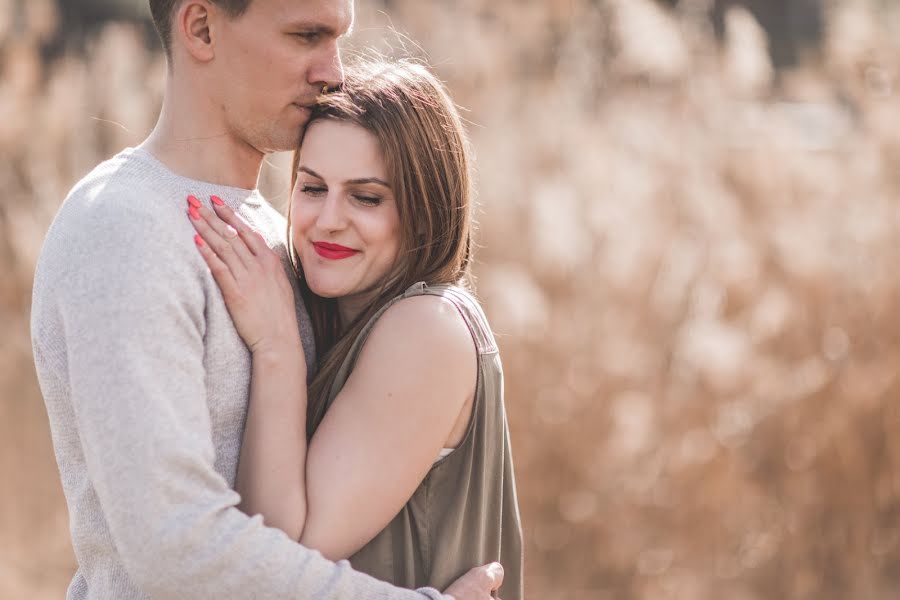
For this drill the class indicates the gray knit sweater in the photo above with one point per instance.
(146, 384)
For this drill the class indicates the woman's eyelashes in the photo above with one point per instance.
(313, 190)
(318, 191)
(367, 199)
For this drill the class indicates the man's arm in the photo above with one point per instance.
(132, 309)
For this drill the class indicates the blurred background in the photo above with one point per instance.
(687, 221)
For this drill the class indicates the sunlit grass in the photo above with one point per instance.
(690, 261)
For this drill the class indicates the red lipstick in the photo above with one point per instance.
(333, 251)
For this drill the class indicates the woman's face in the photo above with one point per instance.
(344, 219)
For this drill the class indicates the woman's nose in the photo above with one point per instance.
(332, 216)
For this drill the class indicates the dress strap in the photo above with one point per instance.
(467, 306)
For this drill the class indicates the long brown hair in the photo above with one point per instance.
(426, 155)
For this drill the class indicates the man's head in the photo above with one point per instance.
(254, 65)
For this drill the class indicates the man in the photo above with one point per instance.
(144, 376)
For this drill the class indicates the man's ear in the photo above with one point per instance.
(193, 26)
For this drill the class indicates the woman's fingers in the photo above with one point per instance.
(255, 287)
(254, 241)
(220, 271)
(224, 239)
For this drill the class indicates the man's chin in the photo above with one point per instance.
(283, 142)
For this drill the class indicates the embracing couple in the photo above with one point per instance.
(238, 402)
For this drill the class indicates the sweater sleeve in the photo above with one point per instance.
(131, 307)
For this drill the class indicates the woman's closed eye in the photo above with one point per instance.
(367, 199)
(313, 190)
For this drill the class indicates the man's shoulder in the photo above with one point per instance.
(120, 202)
(119, 215)
(121, 184)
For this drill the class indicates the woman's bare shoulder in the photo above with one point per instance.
(429, 328)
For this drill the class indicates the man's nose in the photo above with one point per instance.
(328, 70)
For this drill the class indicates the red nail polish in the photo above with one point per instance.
(193, 212)
(192, 200)
(198, 240)
(217, 201)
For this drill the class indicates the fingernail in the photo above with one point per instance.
(217, 201)
(192, 200)
(198, 240)
(193, 212)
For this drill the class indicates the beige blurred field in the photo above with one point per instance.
(690, 258)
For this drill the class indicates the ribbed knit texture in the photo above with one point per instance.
(146, 384)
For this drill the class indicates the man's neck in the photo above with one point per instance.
(192, 142)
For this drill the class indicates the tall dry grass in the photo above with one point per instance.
(690, 260)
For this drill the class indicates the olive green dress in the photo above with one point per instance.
(464, 513)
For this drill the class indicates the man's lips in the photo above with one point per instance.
(333, 251)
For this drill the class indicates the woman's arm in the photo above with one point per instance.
(411, 387)
(271, 468)
(271, 476)
(414, 379)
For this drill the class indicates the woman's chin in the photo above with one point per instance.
(324, 290)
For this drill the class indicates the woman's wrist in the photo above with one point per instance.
(285, 351)
(278, 376)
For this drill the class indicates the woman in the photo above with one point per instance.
(408, 469)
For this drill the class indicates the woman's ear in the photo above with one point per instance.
(193, 25)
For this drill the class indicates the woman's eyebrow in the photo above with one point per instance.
(358, 181)
(364, 180)
(309, 171)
